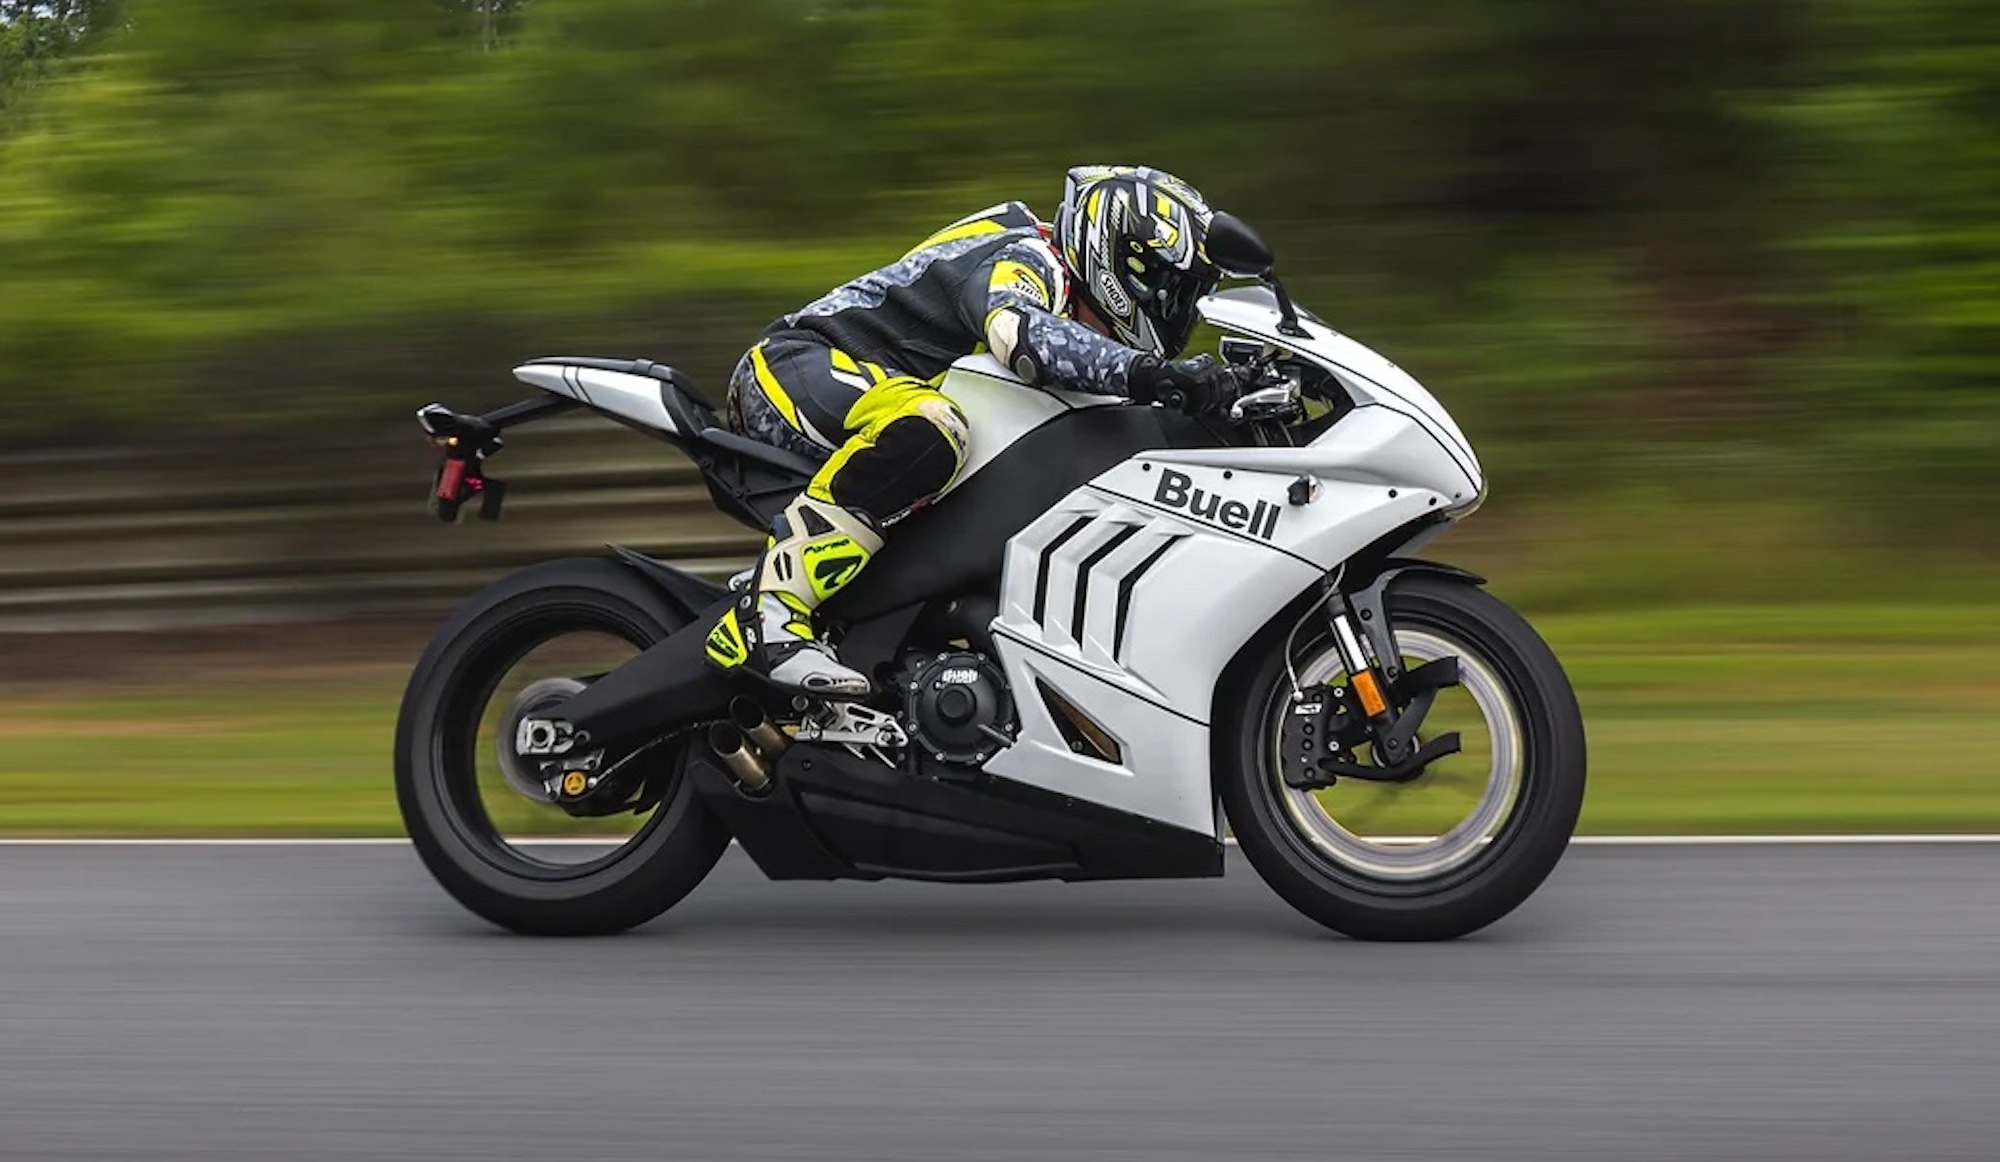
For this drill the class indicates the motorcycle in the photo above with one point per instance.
(1121, 635)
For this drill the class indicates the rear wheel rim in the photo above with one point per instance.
(467, 772)
(1387, 857)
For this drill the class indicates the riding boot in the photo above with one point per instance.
(816, 549)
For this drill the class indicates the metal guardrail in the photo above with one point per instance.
(195, 537)
(114, 539)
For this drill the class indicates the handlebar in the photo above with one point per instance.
(1264, 393)
(1258, 391)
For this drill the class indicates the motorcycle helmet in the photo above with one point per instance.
(1133, 239)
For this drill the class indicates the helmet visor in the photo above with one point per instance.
(1174, 307)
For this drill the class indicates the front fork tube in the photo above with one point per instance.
(1365, 677)
(1379, 696)
(1367, 644)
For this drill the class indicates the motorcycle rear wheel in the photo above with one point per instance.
(1466, 876)
(437, 749)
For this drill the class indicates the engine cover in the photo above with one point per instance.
(958, 708)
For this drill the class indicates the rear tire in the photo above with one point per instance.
(1491, 881)
(671, 853)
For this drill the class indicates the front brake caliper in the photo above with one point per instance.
(1326, 727)
(1323, 723)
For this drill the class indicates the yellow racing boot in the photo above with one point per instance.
(816, 551)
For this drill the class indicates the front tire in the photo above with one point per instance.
(437, 748)
(1466, 879)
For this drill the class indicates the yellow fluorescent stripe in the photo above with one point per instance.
(772, 390)
(875, 372)
(883, 404)
(972, 229)
(842, 361)
(821, 485)
(1021, 277)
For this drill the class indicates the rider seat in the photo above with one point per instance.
(751, 481)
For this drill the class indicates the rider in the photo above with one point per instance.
(1101, 302)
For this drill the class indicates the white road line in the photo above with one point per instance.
(1924, 840)
(1780, 840)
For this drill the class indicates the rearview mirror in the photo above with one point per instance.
(1236, 249)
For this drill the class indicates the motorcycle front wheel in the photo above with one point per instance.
(472, 810)
(1472, 837)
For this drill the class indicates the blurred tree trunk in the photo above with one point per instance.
(492, 22)
(37, 34)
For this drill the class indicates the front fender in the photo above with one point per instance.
(1363, 582)
(1361, 576)
(1364, 589)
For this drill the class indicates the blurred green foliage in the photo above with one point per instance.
(1754, 242)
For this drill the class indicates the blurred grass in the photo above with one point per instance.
(304, 759)
(1716, 719)
(1827, 718)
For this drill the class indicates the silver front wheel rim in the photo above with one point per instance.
(1405, 857)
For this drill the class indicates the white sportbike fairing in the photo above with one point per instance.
(1116, 621)
(1099, 595)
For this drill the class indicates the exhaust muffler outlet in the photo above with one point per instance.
(745, 765)
(758, 729)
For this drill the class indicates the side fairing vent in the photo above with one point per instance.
(1048, 559)
(1125, 585)
(1083, 733)
(1085, 574)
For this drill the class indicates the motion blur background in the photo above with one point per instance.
(1713, 285)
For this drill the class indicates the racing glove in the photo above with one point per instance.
(1194, 386)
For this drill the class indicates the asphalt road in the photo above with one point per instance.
(204, 1003)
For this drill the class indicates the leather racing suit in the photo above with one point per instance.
(850, 380)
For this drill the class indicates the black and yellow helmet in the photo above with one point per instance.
(1133, 239)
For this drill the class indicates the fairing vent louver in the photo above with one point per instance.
(1125, 586)
(1079, 730)
(1083, 576)
(1048, 557)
